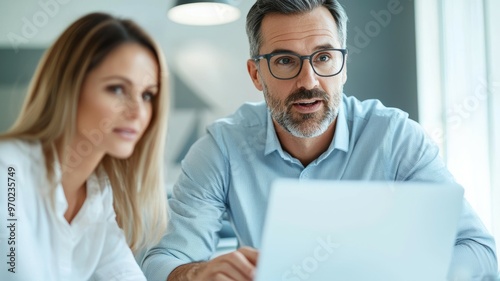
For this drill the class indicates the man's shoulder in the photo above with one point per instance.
(370, 109)
(248, 122)
(371, 117)
(247, 115)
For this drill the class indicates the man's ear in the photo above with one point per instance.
(253, 71)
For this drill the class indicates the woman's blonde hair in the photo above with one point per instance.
(49, 116)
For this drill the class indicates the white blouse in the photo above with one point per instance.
(36, 241)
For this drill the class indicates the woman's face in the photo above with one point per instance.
(116, 101)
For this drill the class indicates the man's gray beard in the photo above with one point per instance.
(295, 129)
(285, 119)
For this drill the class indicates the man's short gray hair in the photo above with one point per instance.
(262, 8)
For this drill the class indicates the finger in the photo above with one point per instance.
(215, 270)
(251, 254)
(222, 277)
(230, 271)
(241, 262)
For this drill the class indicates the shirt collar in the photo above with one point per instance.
(341, 138)
(91, 208)
(272, 142)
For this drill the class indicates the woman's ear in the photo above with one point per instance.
(253, 71)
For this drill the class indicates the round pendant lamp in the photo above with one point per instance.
(208, 12)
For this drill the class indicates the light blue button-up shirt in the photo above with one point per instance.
(231, 169)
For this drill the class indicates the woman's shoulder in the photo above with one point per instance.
(17, 150)
(20, 164)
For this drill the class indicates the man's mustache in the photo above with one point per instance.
(302, 94)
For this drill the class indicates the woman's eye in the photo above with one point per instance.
(116, 89)
(148, 96)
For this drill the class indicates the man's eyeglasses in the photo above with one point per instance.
(287, 65)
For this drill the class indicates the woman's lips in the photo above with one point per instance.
(126, 133)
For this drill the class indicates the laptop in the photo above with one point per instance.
(343, 230)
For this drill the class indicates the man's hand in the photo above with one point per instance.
(235, 266)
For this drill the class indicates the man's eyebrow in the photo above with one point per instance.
(324, 46)
(317, 48)
(283, 51)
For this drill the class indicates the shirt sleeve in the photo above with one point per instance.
(415, 157)
(116, 262)
(196, 207)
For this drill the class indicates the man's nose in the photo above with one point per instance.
(307, 78)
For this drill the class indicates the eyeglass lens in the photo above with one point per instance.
(324, 63)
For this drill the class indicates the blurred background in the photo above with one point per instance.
(207, 64)
(434, 59)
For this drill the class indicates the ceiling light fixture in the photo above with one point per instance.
(201, 12)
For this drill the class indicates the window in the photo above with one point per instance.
(459, 95)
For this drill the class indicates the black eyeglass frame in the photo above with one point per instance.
(302, 58)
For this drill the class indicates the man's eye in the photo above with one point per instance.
(323, 57)
(284, 60)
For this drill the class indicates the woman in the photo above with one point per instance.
(87, 145)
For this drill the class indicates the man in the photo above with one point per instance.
(307, 128)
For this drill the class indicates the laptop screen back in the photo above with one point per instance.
(338, 230)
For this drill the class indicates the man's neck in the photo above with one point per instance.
(305, 150)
